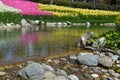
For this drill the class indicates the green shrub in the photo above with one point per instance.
(117, 21)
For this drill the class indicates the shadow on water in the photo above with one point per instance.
(29, 43)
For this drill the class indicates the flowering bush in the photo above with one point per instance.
(5, 8)
(26, 7)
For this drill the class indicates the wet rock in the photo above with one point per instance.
(105, 61)
(83, 41)
(61, 73)
(64, 59)
(29, 62)
(47, 67)
(37, 21)
(99, 44)
(104, 71)
(60, 78)
(117, 75)
(49, 61)
(118, 65)
(108, 54)
(37, 77)
(118, 61)
(115, 78)
(49, 75)
(118, 52)
(86, 76)
(73, 59)
(24, 22)
(115, 57)
(31, 70)
(2, 73)
(73, 77)
(88, 59)
(96, 70)
(95, 75)
(111, 71)
(110, 78)
(56, 61)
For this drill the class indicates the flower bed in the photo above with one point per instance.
(26, 7)
(79, 14)
(5, 8)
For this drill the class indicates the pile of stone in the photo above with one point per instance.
(36, 71)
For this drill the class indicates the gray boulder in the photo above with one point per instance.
(105, 61)
(30, 70)
(84, 40)
(88, 59)
(100, 43)
(49, 75)
(73, 59)
(47, 67)
(118, 52)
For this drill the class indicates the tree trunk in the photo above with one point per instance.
(93, 4)
(51, 1)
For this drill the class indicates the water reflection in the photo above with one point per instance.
(41, 41)
(27, 40)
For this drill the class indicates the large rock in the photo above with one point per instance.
(100, 43)
(118, 52)
(88, 59)
(49, 75)
(32, 69)
(105, 61)
(83, 41)
(47, 68)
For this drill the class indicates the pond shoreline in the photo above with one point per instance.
(62, 62)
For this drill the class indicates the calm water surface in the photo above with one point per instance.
(18, 45)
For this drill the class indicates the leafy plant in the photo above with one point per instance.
(117, 69)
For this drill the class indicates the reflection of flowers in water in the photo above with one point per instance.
(28, 40)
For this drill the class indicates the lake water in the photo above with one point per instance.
(28, 43)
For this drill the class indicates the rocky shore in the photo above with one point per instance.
(78, 66)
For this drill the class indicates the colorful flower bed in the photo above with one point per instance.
(5, 8)
(26, 7)
(61, 10)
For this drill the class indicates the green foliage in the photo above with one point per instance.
(112, 37)
(117, 69)
(117, 21)
(7, 17)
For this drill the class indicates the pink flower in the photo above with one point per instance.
(27, 7)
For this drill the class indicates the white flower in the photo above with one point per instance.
(5, 8)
